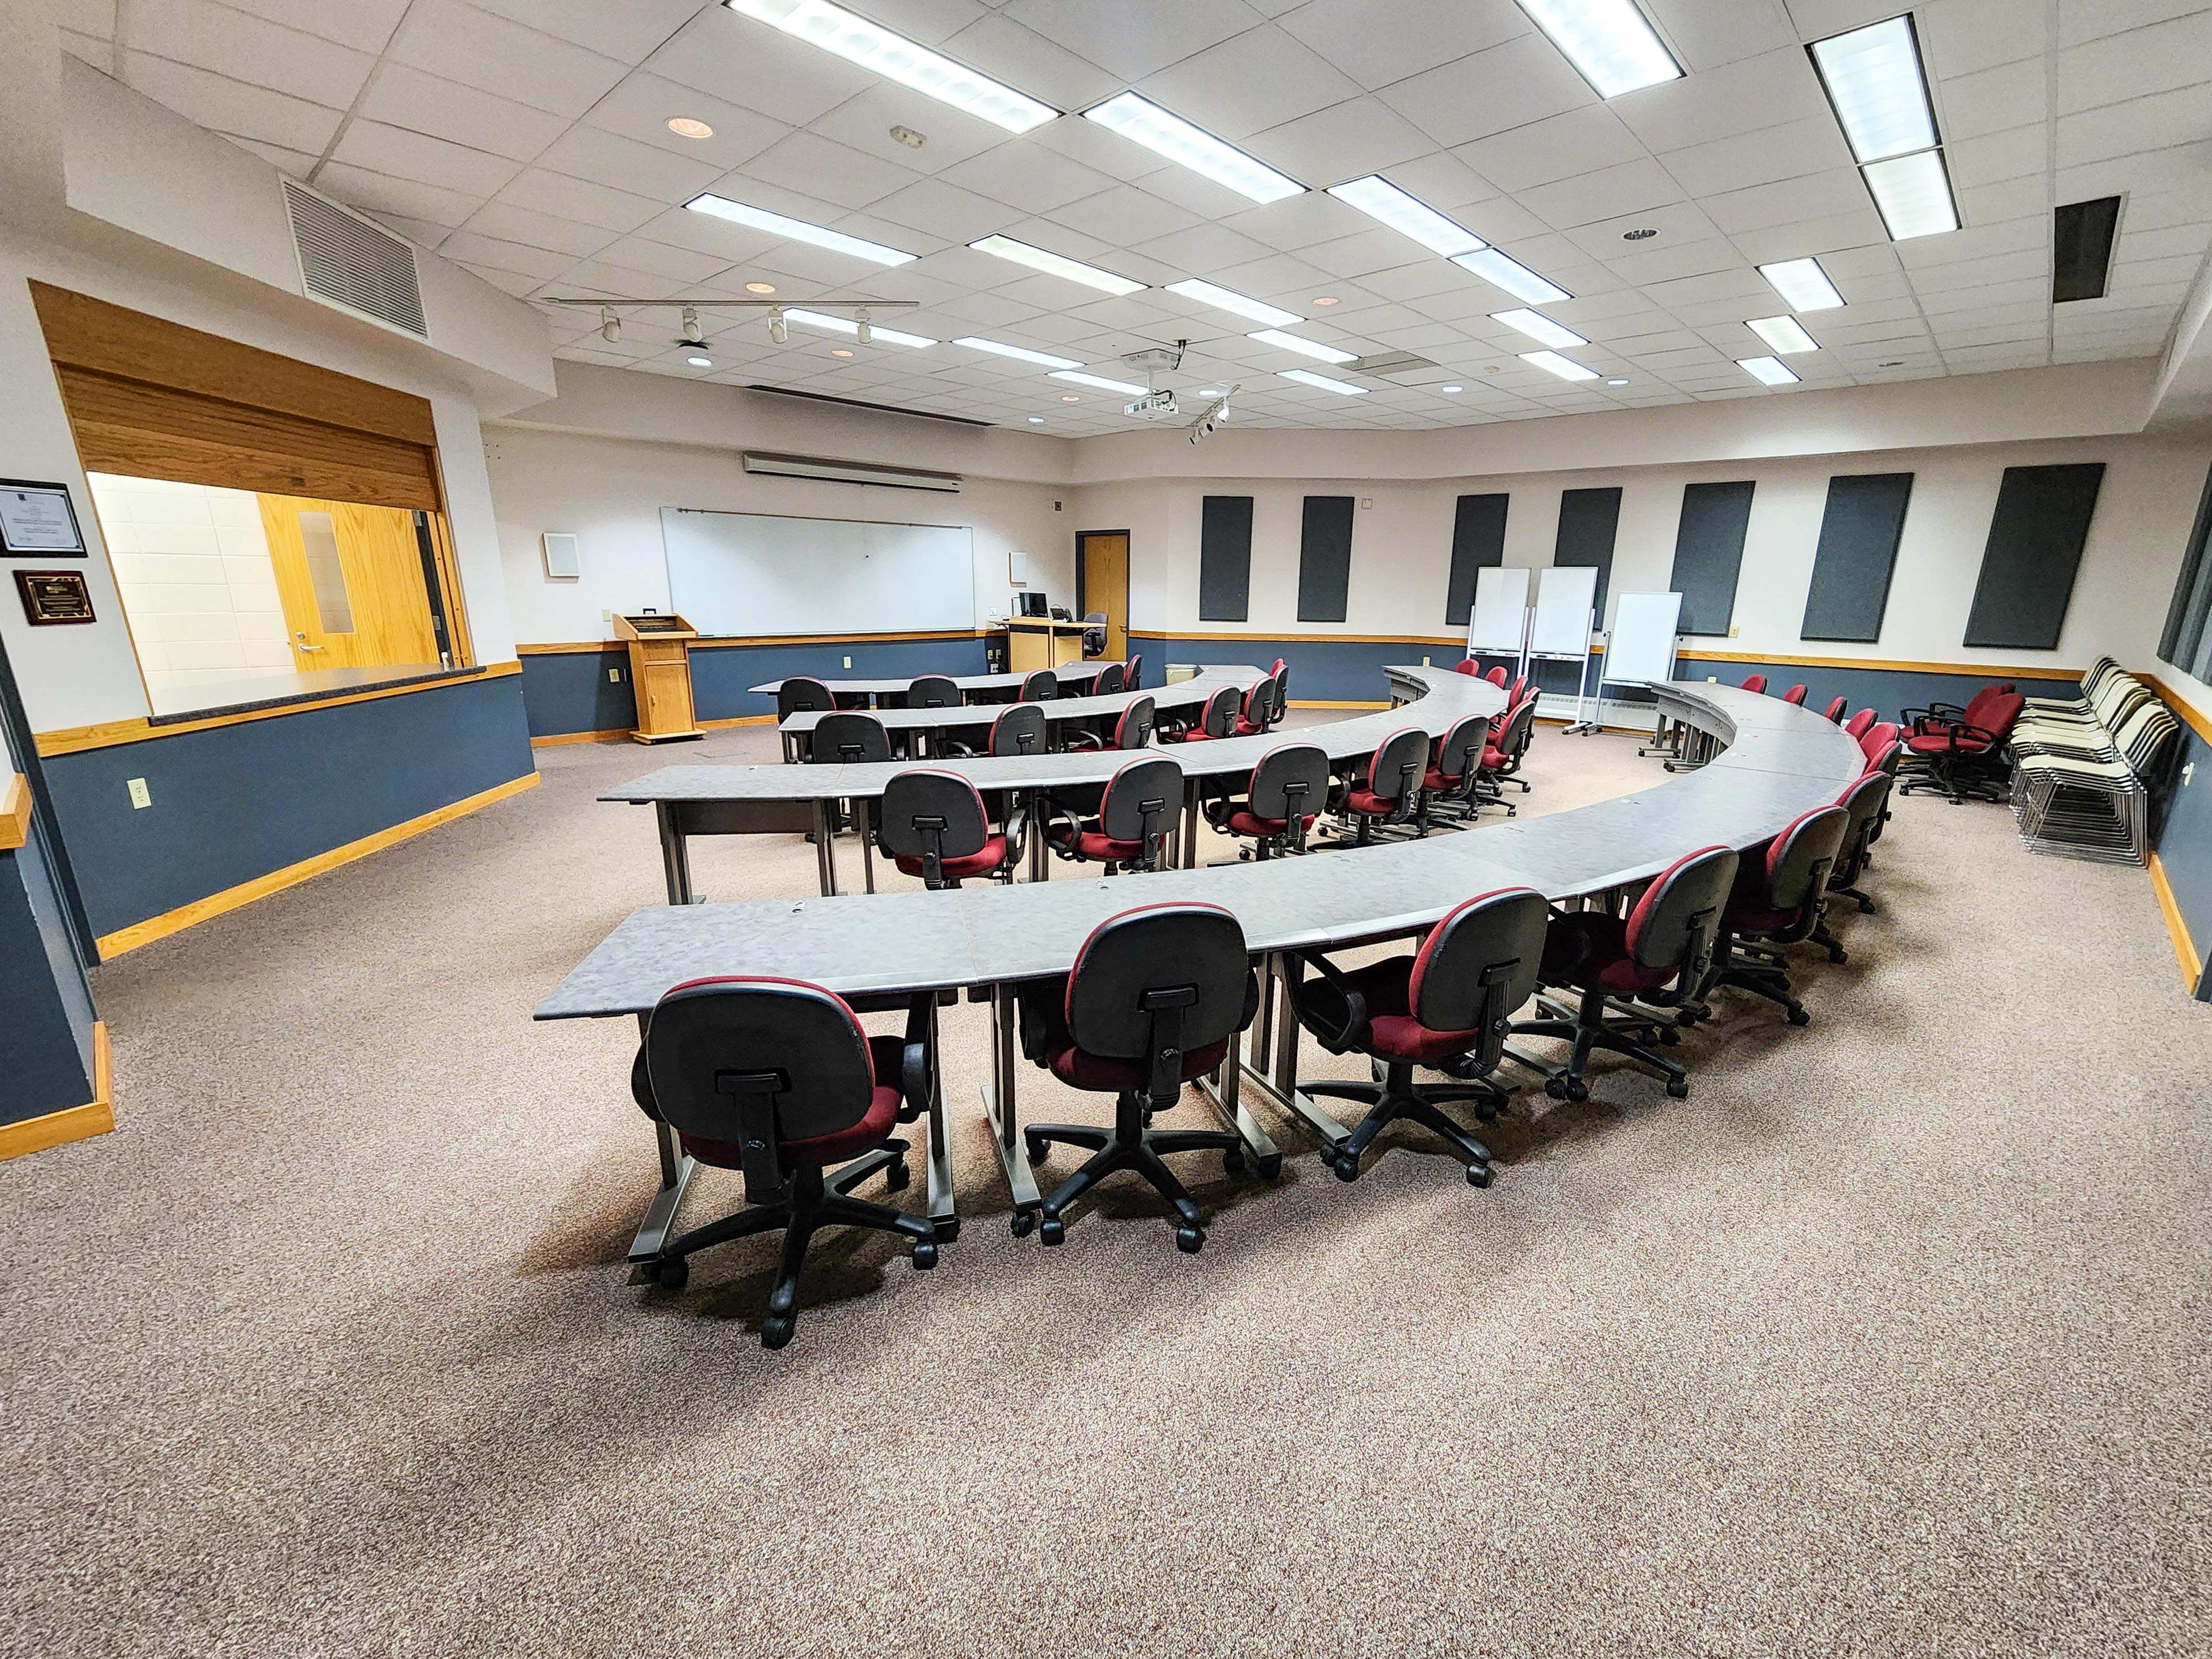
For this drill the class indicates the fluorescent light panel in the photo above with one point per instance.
(1099, 381)
(1914, 195)
(1042, 359)
(1054, 264)
(797, 230)
(847, 326)
(897, 58)
(1275, 336)
(1875, 81)
(1566, 367)
(1384, 203)
(1223, 298)
(1609, 41)
(1307, 377)
(1515, 278)
(1785, 334)
(1767, 371)
(1144, 122)
(1538, 327)
(1802, 284)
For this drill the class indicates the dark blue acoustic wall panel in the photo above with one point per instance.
(1478, 544)
(1225, 559)
(1325, 559)
(2036, 537)
(1857, 554)
(2182, 642)
(1588, 521)
(1709, 554)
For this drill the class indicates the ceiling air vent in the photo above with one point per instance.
(2081, 248)
(1389, 362)
(859, 473)
(348, 262)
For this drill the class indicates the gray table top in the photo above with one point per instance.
(1441, 698)
(993, 934)
(1086, 669)
(1183, 694)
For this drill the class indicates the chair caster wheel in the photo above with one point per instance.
(1799, 1017)
(1271, 1166)
(1346, 1165)
(1679, 1087)
(1668, 1036)
(895, 1175)
(1052, 1231)
(776, 1330)
(948, 1228)
(1478, 1174)
(1189, 1240)
(1577, 1090)
(1038, 1150)
(1556, 1087)
(1024, 1224)
(924, 1257)
(1839, 956)
(671, 1272)
(1232, 1161)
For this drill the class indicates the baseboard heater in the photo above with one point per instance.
(859, 473)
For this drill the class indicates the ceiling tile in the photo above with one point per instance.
(1379, 42)
(1524, 80)
(1582, 141)
(1347, 140)
(405, 155)
(1248, 83)
(511, 223)
(222, 105)
(761, 68)
(1031, 63)
(449, 39)
(817, 170)
(1707, 33)
(627, 33)
(561, 197)
(250, 49)
(1026, 176)
(938, 209)
(382, 194)
(1633, 187)
(1793, 150)
(1766, 91)
(364, 25)
(402, 96)
(1133, 38)
(619, 163)
(641, 107)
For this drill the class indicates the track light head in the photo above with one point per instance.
(690, 335)
(609, 324)
(863, 333)
(778, 330)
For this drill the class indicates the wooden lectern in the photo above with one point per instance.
(660, 675)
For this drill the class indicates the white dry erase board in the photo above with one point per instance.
(1563, 598)
(755, 573)
(1499, 620)
(1641, 648)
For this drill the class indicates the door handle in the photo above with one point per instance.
(303, 645)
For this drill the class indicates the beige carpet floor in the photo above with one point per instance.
(1892, 1339)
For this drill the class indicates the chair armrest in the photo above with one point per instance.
(1336, 1038)
(914, 1080)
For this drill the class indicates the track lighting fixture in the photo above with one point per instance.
(690, 335)
(864, 333)
(609, 324)
(778, 330)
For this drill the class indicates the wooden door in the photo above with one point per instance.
(1104, 557)
(350, 578)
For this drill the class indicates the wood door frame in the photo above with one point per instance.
(1128, 550)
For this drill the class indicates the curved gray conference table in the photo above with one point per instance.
(1070, 673)
(733, 800)
(1778, 761)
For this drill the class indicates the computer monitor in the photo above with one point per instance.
(1034, 604)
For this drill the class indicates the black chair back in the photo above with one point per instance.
(1157, 983)
(932, 816)
(1260, 704)
(1520, 728)
(850, 736)
(1133, 673)
(1460, 753)
(1862, 803)
(1219, 718)
(1141, 802)
(1042, 686)
(1838, 707)
(1798, 860)
(1282, 673)
(755, 1062)
(1094, 632)
(1676, 920)
(934, 691)
(1399, 762)
(1479, 964)
(1134, 729)
(1020, 731)
(801, 694)
(1109, 682)
(1291, 781)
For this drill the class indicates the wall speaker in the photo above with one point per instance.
(561, 563)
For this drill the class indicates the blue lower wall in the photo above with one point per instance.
(1888, 691)
(2185, 848)
(45, 1035)
(234, 802)
(569, 691)
(1321, 670)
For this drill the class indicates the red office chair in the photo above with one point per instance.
(1281, 674)
(1132, 729)
(1041, 686)
(934, 825)
(1451, 1001)
(1835, 710)
(1017, 729)
(1259, 710)
(1468, 666)
(1656, 956)
(1520, 686)
(1858, 723)
(1496, 677)
(1754, 682)
(1454, 767)
(1155, 997)
(1879, 745)
(1391, 789)
(1503, 755)
(1865, 803)
(1130, 673)
(1136, 815)
(1961, 752)
(1217, 719)
(1273, 815)
(1795, 695)
(1775, 901)
(775, 1077)
(1112, 678)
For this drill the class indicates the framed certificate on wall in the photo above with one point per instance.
(37, 520)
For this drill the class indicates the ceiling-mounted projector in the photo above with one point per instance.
(1152, 404)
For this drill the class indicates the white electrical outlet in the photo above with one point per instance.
(614, 675)
(848, 662)
(140, 795)
(1425, 662)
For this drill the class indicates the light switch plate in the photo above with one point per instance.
(614, 677)
(140, 795)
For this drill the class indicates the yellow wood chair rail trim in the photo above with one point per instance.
(2199, 722)
(2177, 926)
(95, 1117)
(582, 648)
(1989, 670)
(14, 813)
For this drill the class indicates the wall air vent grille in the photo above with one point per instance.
(348, 262)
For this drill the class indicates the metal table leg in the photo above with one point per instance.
(943, 1212)
(825, 856)
(676, 1167)
(675, 854)
(1281, 1088)
(1223, 1091)
(867, 842)
(1040, 858)
(1190, 824)
(999, 1103)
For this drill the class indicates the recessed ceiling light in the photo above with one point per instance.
(1767, 371)
(700, 362)
(1037, 420)
(1616, 383)
(1515, 278)
(684, 127)
(1451, 389)
(1551, 363)
(1538, 326)
(847, 326)
(1100, 382)
(1042, 359)
(1307, 377)
(839, 351)
(1209, 392)
(1894, 363)
(1223, 298)
(1326, 300)
(1914, 195)
(797, 230)
(1053, 264)
(908, 137)
(1802, 285)
(1144, 122)
(1608, 40)
(1069, 398)
(1641, 233)
(760, 287)
(897, 58)
(1275, 336)
(1784, 334)
(1880, 92)
(1384, 203)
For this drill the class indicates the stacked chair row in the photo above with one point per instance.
(2085, 769)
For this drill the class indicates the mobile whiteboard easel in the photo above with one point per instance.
(1640, 651)
(1566, 618)
(1497, 624)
